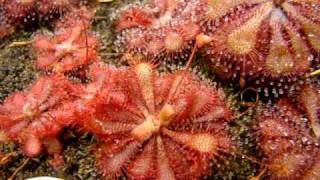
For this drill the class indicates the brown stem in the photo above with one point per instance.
(7, 157)
(19, 169)
(20, 43)
(314, 73)
(189, 62)
(259, 175)
(104, 1)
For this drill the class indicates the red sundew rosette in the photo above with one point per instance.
(166, 34)
(68, 49)
(152, 126)
(38, 115)
(169, 42)
(287, 147)
(280, 124)
(17, 11)
(269, 40)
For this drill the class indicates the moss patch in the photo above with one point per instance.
(17, 68)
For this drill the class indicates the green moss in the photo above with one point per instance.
(242, 163)
(80, 160)
(17, 68)
(233, 168)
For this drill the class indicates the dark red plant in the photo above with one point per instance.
(274, 41)
(16, 11)
(36, 117)
(157, 126)
(22, 12)
(24, 9)
(269, 44)
(288, 148)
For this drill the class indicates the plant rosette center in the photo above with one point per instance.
(153, 124)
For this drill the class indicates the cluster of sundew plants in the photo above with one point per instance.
(151, 124)
(269, 44)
